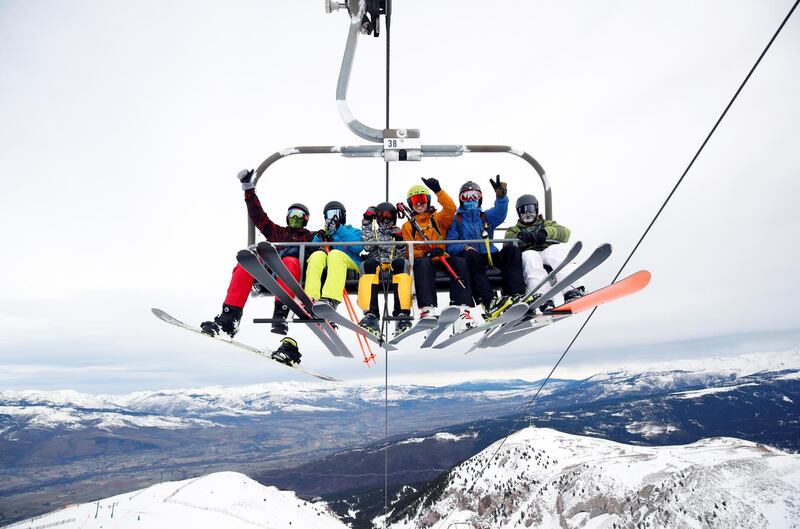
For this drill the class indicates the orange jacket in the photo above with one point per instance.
(426, 220)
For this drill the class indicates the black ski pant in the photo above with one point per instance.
(508, 260)
(425, 281)
(399, 266)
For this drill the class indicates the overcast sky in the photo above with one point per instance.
(123, 125)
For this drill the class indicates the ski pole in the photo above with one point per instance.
(442, 259)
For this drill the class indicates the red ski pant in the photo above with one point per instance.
(242, 282)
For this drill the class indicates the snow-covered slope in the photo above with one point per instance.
(546, 479)
(224, 499)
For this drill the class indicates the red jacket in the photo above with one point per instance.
(274, 232)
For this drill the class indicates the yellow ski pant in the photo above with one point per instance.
(338, 263)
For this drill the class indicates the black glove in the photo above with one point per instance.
(468, 248)
(533, 238)
(433, 184)
(371, 214)
(500, 188)
(324, 236)
(436, 252)
(245, 176)
(396, 232)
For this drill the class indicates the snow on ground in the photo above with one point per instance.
(547, 479)
(440, 436)
(222, 500)
(708, 391)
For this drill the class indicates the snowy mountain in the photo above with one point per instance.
(223, 499)
(547, 479)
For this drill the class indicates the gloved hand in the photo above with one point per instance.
(396, 232)
(331, 226)
(370, 215)
(468, 248)
(364, 254)
(245, 176)
(436, 252)
(324, 235)
(533, 238)
(433, 184)
(500, 188)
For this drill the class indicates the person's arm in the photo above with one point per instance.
(452, 235)
(444, 218)
(512, 233)
(497, 214)
(556, 232)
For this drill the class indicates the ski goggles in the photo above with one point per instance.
(386, 217)
(528, 208)
(416, 200)
(333, 214)
(296, 212)
(471, 195)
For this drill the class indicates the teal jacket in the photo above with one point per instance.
(346, 233)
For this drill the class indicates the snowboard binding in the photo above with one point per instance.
(288, 352)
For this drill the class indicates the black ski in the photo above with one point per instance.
(266, 353)
(447, 318)
(325, 311)
(255, 268)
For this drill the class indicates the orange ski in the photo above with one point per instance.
(625, 287)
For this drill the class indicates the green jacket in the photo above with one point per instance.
(556, 233)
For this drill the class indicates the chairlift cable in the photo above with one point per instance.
(646, 231)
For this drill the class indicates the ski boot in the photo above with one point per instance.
(287, 353)
(496, 306)
(333, 303)
(281, 312)
(227, 322)
(546, 306)
(575, 293)
(370, 323)
(465, 321)
(403, 325)
(427, 312)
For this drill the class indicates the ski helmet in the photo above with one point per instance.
(469, 189)
(527, 204)
(387, 214)
(297, 210)
(418, 191)
(334, 208)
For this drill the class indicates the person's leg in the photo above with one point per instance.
(239, 287)
(459, 295)
(367, 293)
(401, 282)
(317, 262)
(511, 268)
(281, 311)
(554, 255)
(425, 282)
(532, 268)
(338, 265)
(481, 288)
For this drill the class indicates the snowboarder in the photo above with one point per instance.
(540, 242)
(241, 282)
(337, 261)
(428, 258)
(471, 222)
(379, 264)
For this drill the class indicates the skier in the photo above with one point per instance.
(242, 282)
(337, 261)
(380, 224)
(540, 244)
(428, 258)
(471, 222)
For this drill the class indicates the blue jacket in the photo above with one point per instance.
(346, 233)
(471, 226)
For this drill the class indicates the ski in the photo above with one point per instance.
(323, 331)
(325, 311)
(447, 317)
(622, 288)
(512, 313)
(597, 257)
(272, 257)
(422, 325)
(266, 353)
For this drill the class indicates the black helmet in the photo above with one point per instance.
(470, 186)
(387, 214)
(527, 204)
(334, 208)
(301, 207)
